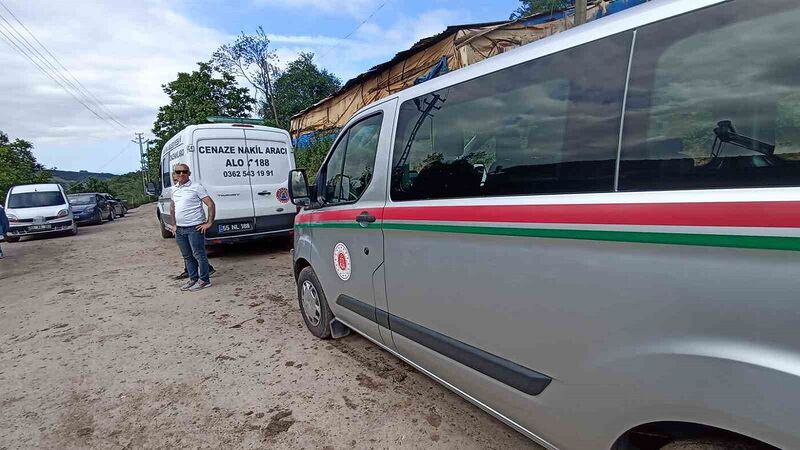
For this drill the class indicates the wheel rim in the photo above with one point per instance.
(311, 306)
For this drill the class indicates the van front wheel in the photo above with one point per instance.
(316, 313)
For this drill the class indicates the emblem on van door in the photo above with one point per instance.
(283, 195)
(341, 261)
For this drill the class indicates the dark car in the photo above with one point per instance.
(90, 208)
(119, 208)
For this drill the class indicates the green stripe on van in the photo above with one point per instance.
(708, 240)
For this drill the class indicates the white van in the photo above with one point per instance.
(244, 168)
(38, 209)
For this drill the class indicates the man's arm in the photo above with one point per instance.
(172, 218)
(212, 209)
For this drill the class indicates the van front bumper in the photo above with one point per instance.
(30, 229)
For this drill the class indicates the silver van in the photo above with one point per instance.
(593, 237)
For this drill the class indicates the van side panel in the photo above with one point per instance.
(620, 318)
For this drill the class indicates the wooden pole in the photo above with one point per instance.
(580, 12)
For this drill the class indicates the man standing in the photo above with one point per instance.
(185, 273)
(190, 225)
(3, 227)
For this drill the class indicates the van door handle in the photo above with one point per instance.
(365, 218)
(264, 193)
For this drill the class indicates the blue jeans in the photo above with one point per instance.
(193, 248)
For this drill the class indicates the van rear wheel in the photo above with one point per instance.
(709, 444)
(313, 304)
(165, 233)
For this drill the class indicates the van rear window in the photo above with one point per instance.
(35, 199)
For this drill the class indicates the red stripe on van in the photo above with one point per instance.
(337, 215)
(720, 214)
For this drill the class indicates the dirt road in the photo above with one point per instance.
(99, 349)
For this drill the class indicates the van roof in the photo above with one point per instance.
(223, 126)
(44, 187)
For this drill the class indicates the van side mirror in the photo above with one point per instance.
(151, 189)
(298, 188)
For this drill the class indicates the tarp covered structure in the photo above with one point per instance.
(457, 46)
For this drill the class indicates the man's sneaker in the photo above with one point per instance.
(182, 276)
(189, 285)
(200, 285)
(211, 271)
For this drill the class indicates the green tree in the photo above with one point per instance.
(90, 184)
(251, 58)
(311, 156)
(18, 165)
(192, 98)
(301, 85)
(529, 7)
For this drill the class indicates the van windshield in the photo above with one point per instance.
(35, 199)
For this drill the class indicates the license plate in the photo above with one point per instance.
(235, 227)
(40, 227)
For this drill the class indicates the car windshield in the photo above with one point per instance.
(35, 199)
(81, 199)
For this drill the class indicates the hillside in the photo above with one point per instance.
(66, 177)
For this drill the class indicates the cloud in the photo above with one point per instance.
(124, 51)
(121, 52)
(355, 8)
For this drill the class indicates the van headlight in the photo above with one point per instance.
(12, 218)
(62, 213)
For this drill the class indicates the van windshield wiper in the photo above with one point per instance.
(726, 134)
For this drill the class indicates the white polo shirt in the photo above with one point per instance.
(188, 199)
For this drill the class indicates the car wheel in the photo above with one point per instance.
(165, 233)
(98, 218)
(111, 216)
(313, 304)
(74, 229)
(708, 444)
(12, 238)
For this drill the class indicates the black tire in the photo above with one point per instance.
(74, 230)
(322, 314)
(165, 233)
(709, 444)
(11, 239)
(111, 216)
(98, 218)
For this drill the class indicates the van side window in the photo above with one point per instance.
(714, 100)
(542, 127)
(166, 173)
(350, 167)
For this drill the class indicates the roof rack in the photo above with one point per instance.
(226, 119)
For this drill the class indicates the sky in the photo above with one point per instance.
(122, 52)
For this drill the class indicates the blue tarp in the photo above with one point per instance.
(439, 69)
(613, 6)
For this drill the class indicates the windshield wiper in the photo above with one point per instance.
(726, 134)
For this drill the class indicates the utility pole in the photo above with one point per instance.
(143, 158)
(580, 12)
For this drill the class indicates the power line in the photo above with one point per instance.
(355, 29)
(112, 159)
(80, 86)
(28, 50)
(16, 47)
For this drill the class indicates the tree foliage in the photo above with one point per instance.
(251, 58)
(311, 156)
(192, 98)
(529, 7)
(90, 184)
(18, 165)
(301, 85)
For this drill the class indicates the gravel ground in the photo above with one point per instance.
(100, 349)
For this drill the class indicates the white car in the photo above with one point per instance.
(34, 209)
